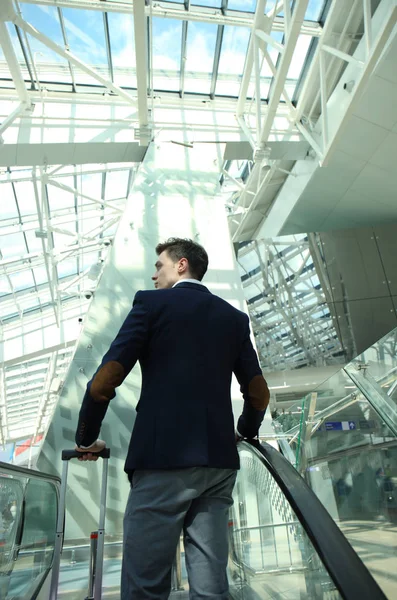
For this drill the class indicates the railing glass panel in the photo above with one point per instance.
(28, 507)
(345, 446)
(271, 555)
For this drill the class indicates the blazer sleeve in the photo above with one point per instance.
(114, 368)
(253, 386)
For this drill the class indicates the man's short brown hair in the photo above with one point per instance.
(195, 254)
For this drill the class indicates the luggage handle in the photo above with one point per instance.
(68, 454)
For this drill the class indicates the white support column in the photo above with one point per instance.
(140, 31)
(17, 20)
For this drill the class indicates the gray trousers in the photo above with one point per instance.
(162, 504)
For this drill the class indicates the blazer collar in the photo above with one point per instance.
(194, 286)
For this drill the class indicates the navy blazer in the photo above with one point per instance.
(188, 343)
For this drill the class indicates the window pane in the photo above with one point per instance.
(299, 57)
(314, 10)
(12, 245)
(122, 42)
(243, 5)
(8, 209)
(86, 38)
(59, 199)
(201, 40)
(25, 198)
(167, 39)
(210, 3)
(232, 60)
(49, 65)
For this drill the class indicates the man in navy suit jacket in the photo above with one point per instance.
(182, 457)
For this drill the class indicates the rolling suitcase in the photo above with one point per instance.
(96, 562)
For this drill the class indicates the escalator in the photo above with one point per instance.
(283, 543)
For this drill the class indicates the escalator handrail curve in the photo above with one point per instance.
(348, 572)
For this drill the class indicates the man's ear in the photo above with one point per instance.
(183, 265)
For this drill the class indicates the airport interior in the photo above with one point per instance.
(266, 130)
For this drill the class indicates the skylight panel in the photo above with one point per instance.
(200, 50)
(8, 208)
(22, 280)
(86, 38)
(166, 45)
(299, 57)
(40, 275)
(232, 60)
(116, 184)
(67, 267)
(4, 70)
(25, 198)
(49, 66)
(90, 185)
(122, 42)
(12, 245)
(33, 242)
(249, 261)
(243, 5)
(314, 10)
(209, 3)
(61, 199)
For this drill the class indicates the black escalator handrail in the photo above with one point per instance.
(14, 469)
(348, 572)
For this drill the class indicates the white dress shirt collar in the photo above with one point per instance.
(188, 281)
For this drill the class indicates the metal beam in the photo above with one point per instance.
(108, 47)
(285, 62)
(67, 188)
(249, 59)
(217, 57)
(13, 64)
(140, 35)
(65, 41)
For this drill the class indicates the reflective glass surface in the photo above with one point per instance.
(271, 555)
(345, 448)
(28, 510)
(200, 49)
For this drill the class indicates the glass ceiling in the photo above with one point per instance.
(184, 56)
(54, 236)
